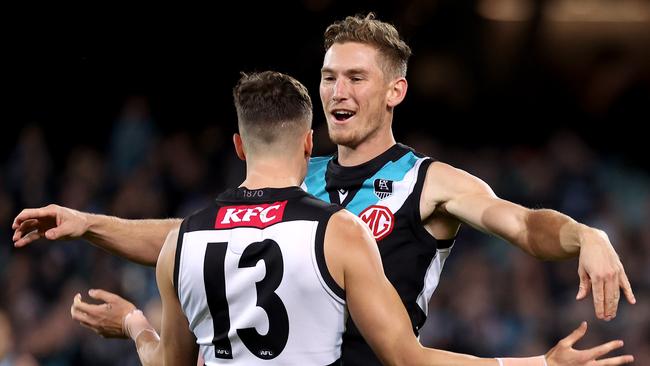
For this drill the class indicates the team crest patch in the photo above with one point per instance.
(379, 219)
(383, 188)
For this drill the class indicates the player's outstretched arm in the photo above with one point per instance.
(136, 240)
(353, 259)
(543, 233)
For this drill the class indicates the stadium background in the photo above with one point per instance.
(128, 112)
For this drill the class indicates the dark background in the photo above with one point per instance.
(126, 110)
(473, 81)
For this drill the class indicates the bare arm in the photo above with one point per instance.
(179, 344)
(353, 259)
(118, 318)
(176, 345)
(545, 234)
(137, 240)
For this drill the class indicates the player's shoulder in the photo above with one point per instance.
(442, 169)
(441, 174)
(403, 148)
(169, 246)
(443, 177)
(348, 236)
(309, 207)
(316, 203)
(347, 225)
(201, 218)
(167, 256)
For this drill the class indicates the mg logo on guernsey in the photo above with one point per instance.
(259, 216)
(379, 219)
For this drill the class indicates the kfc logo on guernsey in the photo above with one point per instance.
(379, 219)
(259, 216)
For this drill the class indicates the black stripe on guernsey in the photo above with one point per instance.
(322, 263)
(446, 243)
(322, 213)
(416, 222)
(334, 195)
(179, 249)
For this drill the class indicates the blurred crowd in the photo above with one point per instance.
(493, 299)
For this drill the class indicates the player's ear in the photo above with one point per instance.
(309, 143)
(239, 146)
(397, 92)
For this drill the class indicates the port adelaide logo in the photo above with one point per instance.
(383, 188)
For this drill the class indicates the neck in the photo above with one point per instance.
(367, 150)
(273, 172)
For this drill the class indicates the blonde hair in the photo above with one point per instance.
(381, 35)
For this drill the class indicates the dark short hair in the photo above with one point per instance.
(368, 30)
(271, 105)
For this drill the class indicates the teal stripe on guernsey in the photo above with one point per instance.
(315, 179)
(394, 171)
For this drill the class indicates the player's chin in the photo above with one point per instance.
(343, 139)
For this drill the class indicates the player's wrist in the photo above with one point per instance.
(135, 323)
(150, 332)
(90, 221)
(572, 236)
(523, 361)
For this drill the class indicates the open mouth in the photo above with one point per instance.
(342, 115)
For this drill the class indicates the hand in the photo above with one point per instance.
(600, 269)
(52, 222)
(563, 354)
(105, 319)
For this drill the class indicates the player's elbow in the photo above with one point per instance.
(404, 351)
